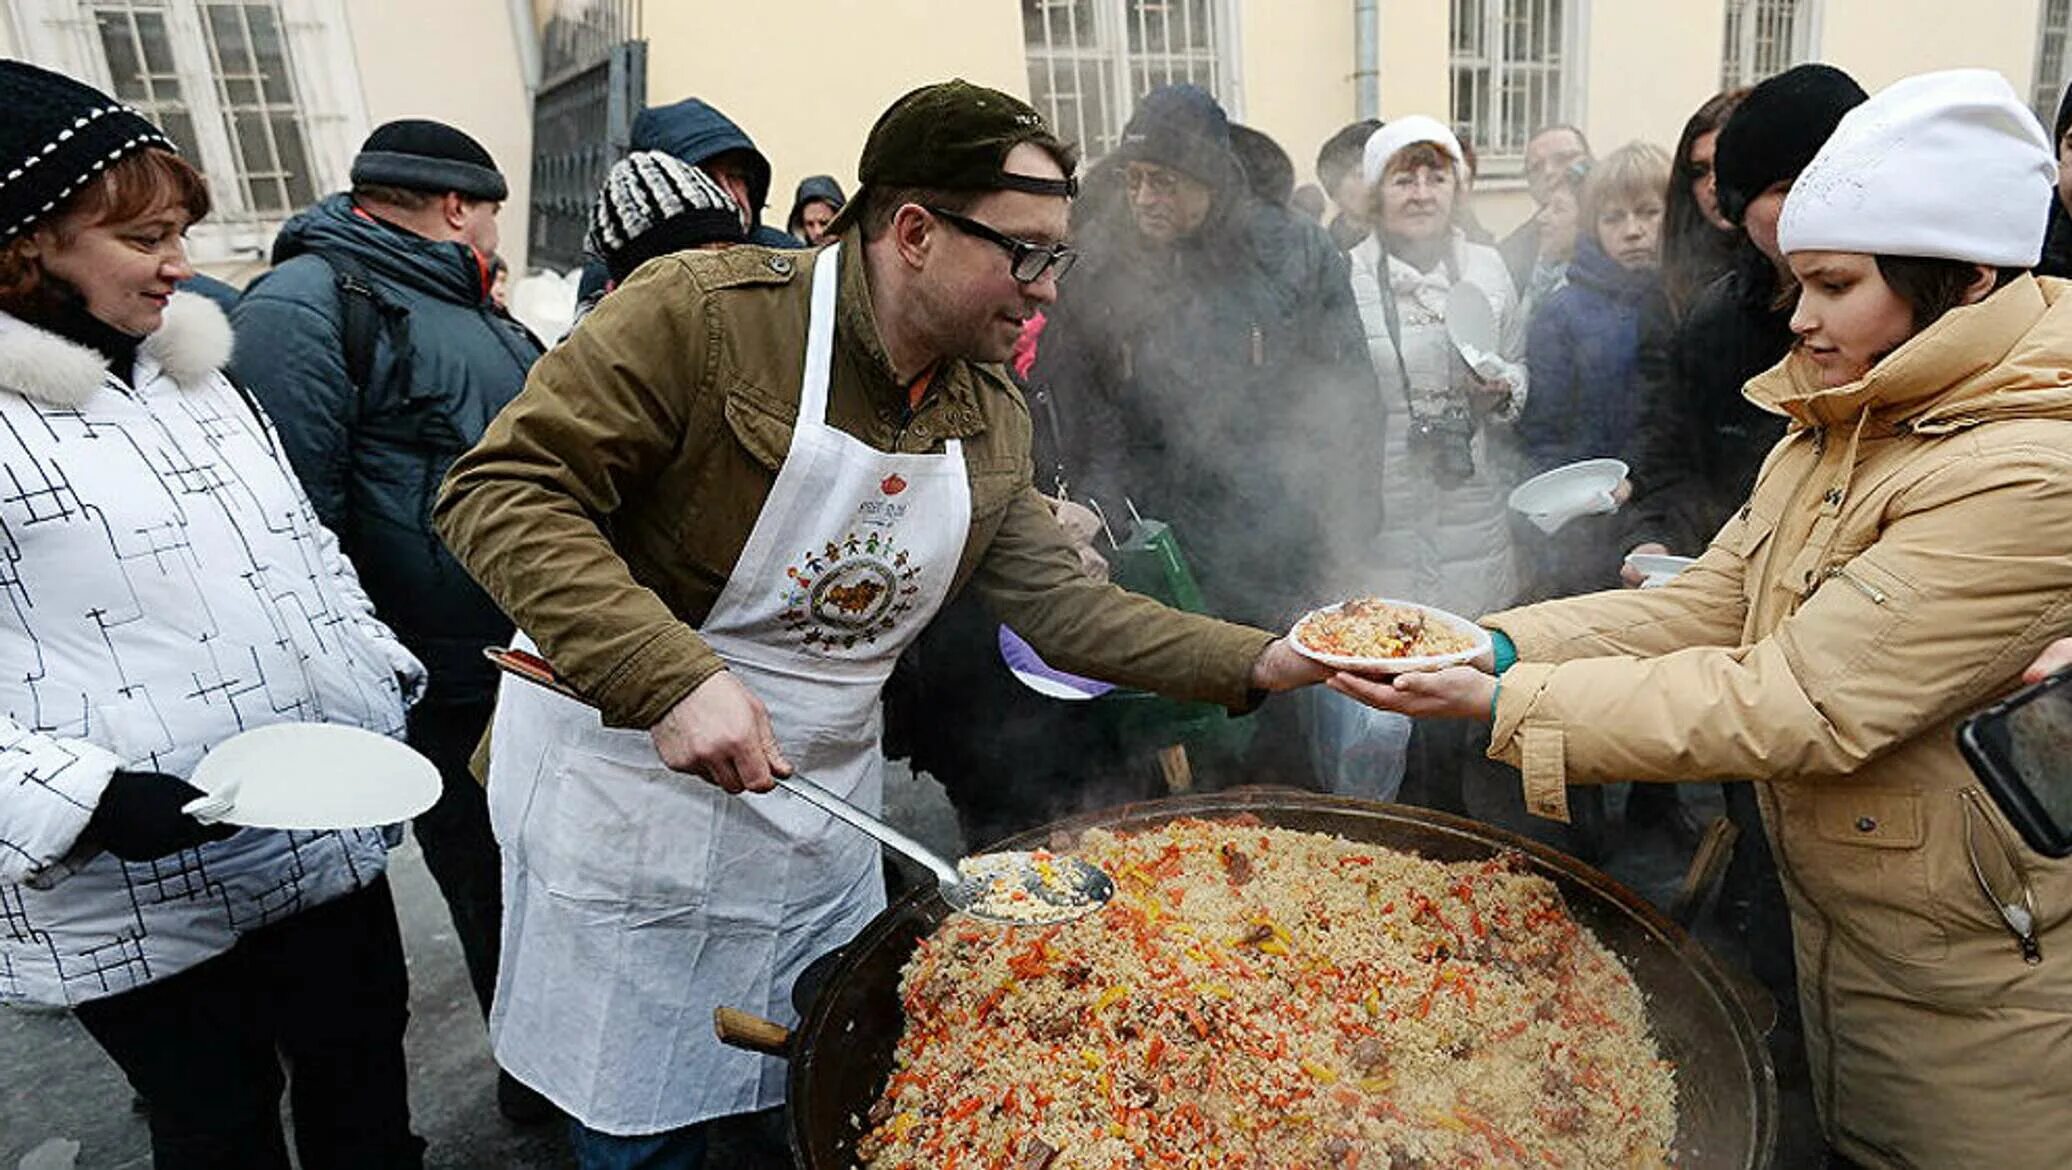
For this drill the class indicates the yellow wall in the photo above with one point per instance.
(1650, 64)
(1881, 41)
(408, 51)
(1416, 40)
(1295, 62)
(813, 75)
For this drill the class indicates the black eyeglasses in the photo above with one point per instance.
(1026, 262)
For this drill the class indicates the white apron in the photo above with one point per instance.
(637, 899)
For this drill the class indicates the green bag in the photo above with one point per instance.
(1150, 562)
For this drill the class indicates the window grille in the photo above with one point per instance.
(191, 65)
(1090, 60)
(139, 48)
(255, 86)
(1512, 74)
(1764, 38)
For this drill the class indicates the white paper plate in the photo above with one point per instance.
(1553, 498)
(1417, 662)
(1658, 568)
(313, 776)
(1472, 327)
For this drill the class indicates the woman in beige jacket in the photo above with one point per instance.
(1902, 559)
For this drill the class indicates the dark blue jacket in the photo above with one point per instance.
(694, 132)
(1581, 354)
(372, 462)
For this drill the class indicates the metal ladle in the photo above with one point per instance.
(1016, 888)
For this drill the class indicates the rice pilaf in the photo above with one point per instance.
(1263, 997)
(1369, 627)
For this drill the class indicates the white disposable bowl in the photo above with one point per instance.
(1553, 498)
(1399, 665)
(1658, 568)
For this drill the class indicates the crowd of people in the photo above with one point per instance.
(796, 500)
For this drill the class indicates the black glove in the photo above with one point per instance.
(139, 817)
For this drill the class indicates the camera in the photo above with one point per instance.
(1442, 437)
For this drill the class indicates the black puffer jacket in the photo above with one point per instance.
(1223, 386)
(372, 463)
(1701, 442)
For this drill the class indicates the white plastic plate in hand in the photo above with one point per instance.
(1553, 498)
(1471, 326)
(312, 776)
(1659, 568)
(1397, 665)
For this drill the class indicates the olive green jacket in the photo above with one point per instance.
(606, 506)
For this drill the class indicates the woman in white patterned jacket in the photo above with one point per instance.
(163, 586)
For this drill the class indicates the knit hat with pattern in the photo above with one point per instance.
(653, 204)
(57, 135)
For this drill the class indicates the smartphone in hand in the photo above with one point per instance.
(2021, 749)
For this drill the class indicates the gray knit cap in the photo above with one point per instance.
(653, 204)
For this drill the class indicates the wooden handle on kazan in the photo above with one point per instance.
(738, 1029)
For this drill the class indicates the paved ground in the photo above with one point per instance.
(58, 1088)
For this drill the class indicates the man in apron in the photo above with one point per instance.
(721, 509)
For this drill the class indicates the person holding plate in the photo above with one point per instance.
(1900, 562)
(168, 586)
(720, 509)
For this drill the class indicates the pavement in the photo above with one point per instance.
(59, 1088)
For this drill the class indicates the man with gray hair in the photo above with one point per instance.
(1539, 243)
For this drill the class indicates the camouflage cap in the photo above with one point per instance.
(955, 136)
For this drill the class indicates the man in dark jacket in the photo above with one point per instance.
(1534, 258)
(1213, 364)
(710, 141)
(1338, 172)
(372, 417)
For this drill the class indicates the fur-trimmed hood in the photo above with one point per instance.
(191, 345)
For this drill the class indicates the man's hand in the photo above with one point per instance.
(1457, 692)
(1634, 577)
(721, 732)
(2055, 657)
(1279, 668)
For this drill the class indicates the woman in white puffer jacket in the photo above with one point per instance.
(165, 585)
(1445, 537)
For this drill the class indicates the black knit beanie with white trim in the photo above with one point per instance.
(58, 134)
(653, 204)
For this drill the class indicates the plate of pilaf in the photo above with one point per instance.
(1259, 996)
(1381, 634)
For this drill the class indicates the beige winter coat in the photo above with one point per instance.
(1906, 551)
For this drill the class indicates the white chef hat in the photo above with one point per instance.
(1946, 165)
(1385, 143)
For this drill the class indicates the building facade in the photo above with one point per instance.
(271, 98)
(813, 74)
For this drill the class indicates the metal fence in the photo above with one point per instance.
(593, 64)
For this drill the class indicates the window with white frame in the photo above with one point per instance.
(2053, 60)
(1090, 60)
(1764, 38)
(1514, 69)
(259, 94)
